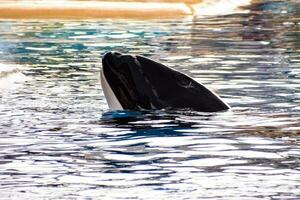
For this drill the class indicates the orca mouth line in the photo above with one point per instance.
(118, 74)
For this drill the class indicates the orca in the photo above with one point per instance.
(139, 83)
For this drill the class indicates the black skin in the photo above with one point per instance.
(142, 84)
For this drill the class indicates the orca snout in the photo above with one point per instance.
(116, 59)
(111, 58)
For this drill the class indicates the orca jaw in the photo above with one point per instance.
(112, 100)
(119, 87)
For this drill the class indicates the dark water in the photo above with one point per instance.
(58, 140)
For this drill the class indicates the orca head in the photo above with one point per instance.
(138, 83)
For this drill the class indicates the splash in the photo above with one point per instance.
(10, 76)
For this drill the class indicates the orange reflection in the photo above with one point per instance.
(77, 9)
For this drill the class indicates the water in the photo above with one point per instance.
(59, 141)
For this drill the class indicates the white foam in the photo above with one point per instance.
(10, 75)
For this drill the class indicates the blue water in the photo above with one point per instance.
(58, 140)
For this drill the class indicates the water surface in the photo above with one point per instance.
(58, 139)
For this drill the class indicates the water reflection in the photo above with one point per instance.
(58, 139)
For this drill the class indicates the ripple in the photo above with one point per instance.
(59, 140)
(41, 48)
(212, 162)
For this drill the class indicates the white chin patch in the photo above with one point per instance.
(110, 96)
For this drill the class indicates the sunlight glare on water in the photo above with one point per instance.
(58, 140)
